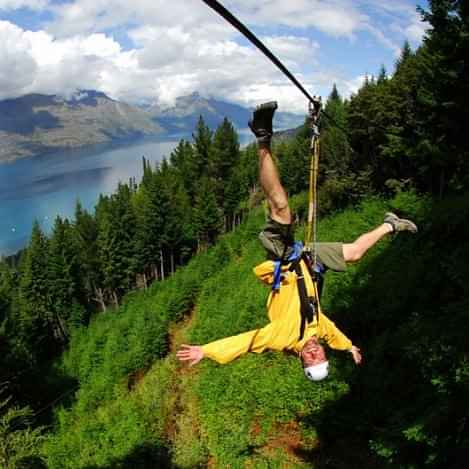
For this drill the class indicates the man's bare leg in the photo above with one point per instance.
(353, 252)
(261, 125)
(273, 189)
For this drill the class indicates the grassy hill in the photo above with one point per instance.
(137, 407)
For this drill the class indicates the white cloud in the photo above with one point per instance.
(167, 63)
(412, 28)
(293, 50)
(17, 65)
(36, 62)
(415, 31)
(178, 47)
(85, 16)
(15, 4)
(350, 87)
(335, 17)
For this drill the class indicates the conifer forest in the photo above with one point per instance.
(92, 314)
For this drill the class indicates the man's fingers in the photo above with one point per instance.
(191, 353)
(184, 356)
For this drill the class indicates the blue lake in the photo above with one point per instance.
(43, 187)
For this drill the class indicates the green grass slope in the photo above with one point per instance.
(137, 407)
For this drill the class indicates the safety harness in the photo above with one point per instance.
(309, 304)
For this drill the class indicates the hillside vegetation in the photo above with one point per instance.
(90, 317)
(136, 405)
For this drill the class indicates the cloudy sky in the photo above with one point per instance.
(156, 50)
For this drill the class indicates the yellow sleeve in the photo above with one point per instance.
(328, 331)
(225, 350)
(265, 272)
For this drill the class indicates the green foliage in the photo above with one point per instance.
(97, 439)
(19, 443)
(64, 278)
(107, 422)
(401, 136)
(35, 325)
(407, 304)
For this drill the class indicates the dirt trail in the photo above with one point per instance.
(183, 422)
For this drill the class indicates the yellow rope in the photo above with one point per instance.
(313, 180)
(311, 229)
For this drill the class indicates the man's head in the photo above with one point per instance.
(313, 356)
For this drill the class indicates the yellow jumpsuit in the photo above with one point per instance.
(282, 333)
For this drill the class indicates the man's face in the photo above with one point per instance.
(313, 353)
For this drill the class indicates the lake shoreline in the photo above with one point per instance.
(92, 148)
(48, 186)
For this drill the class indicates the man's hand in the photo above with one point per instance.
(191, 353)
(356, 354)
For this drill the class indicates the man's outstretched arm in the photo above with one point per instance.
(272, 336)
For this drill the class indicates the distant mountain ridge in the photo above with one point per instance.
(35, 124)
(183, 116)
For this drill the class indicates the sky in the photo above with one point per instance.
(152, 51)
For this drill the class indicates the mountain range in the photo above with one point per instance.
(36, 124)
(183, 116)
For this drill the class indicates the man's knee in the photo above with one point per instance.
(283, 217)
(278, 200)
(280, 211)
(352, 252)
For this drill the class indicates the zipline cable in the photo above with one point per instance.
(222, 11)
(228, 16)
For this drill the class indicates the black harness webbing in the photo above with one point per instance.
(308, 304)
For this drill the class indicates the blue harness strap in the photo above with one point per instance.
(297, 250)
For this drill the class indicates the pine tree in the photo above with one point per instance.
(247, 174)
(294, 160)
(176, 214)
(406, 53)
(184, 160)
(37, 327)
(382, 76)
(336, 172)
(444, 92)
(116, 242)
(207, 215)
(6, 299)
(86, 236)
(6, 287)
(64, 277)
(202, 148)
(224, 159)
(151, 208)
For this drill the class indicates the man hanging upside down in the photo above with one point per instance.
(288, 329)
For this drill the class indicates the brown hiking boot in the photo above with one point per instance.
(261, 122)
(399, 224)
